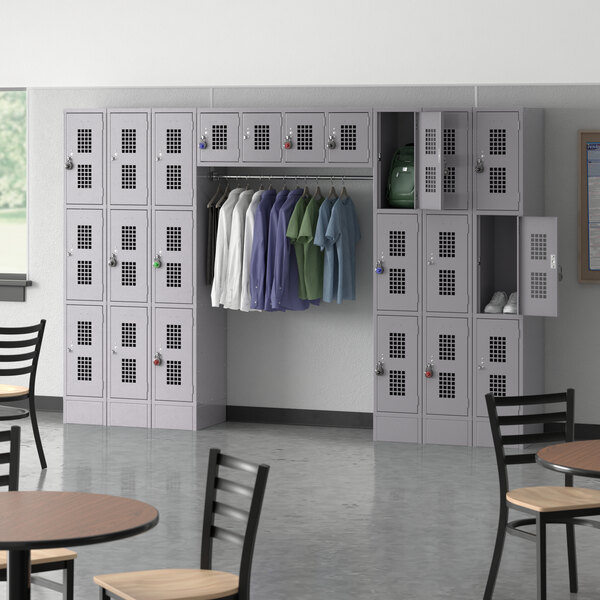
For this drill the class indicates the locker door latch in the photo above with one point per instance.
(479, 166)
(112, 261)
(379, 368)
(157, 263)
(203, 143)
(331, 142)
(287, 144)
(481, 364)
(69, 163)
(157, 361)
(429, 371)
(379, 266)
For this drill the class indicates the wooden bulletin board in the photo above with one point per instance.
(589, 206)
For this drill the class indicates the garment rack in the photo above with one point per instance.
(218, 177)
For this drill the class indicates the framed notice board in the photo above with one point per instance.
(589, 206)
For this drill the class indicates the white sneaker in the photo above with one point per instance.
(511, 306)
(496, 304)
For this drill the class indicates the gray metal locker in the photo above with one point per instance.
(84, 148)
(84, 254)
(348, 139)
(174, 169)
(538, 294)
(173, 252)
(129, 259)
(173, 349)
(497, 360)
(398, 364)
(304, 137)
(219, 137)
(430, 161)
(446, 361)
(128, 164)
(261, 137)
(496, 156)
(84, 351)
(446, 263)
(398, 259)
(128, 342)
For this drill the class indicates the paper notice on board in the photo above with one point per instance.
(593, 189)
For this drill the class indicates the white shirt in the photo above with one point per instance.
(233, 280)
(248, 239)
(222, 249)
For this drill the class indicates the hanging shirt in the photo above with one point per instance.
(285, 273)
(248, 242)
(233, 281)
(222, 248)
(330, 266)
(343, 231)
(258, 259)
(313, 257)
(211, 234)
(273, 222)
(293, 231)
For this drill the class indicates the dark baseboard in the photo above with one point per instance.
(583, 431)
(48, 403)
(297, 416)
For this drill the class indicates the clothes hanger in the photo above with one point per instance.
(318, 196)
(305, 191)
(343, 193)
(216, 196)
(332, 193)
(270, 184)
(224, 197)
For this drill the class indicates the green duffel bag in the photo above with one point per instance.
(401, 180)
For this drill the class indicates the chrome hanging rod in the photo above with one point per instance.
(218, 177)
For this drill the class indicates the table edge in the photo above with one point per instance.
(566, 470)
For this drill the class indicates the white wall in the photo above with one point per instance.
(311, 42)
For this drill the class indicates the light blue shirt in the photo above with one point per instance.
(330, 266)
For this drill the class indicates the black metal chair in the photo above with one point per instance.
(42, 561)
(11, 340)
(204, 583)
(547, 504)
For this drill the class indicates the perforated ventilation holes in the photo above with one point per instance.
(430, 179)
(262, 137)
(497, 349)
(497, 180)
(397, 344)
(173, 177)
(128, 141)
(173, 372)
(397, 281)
(450, 180)
(173, 336)
(173, 238)
(128, 237)
(447, 244)
(430, 141)
(447, 346)
(447, 282)
(128, 335)
(173, 141)
(449, 142)
(219, 137)
(84, 177)
(397, 243)
(497, 385)
(128, 273)
(348, 137)
(447, 385)
(304, 137)
(84, 368)
(128, 177)
(498, 141)
(397, 383)
(84, 141)
(84, 333)
(173, 275)
(539, 246)
(84, 237)
(539, 286)
(84, 272)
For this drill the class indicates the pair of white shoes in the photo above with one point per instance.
(500, 303)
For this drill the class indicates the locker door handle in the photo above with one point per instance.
(70, 348)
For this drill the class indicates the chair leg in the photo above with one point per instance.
(541, 556)
(36, 432)
(500, 537)
(572, 553)
(104, 595)
(68, 580)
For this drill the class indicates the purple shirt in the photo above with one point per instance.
(273, 222)
(258, 260)
(285, 292)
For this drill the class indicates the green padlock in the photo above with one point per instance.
(157, 264)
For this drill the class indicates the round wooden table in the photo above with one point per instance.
(31, 520)
(573, 458)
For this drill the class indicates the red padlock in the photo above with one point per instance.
(287, 144)
(157, 360)
(429, 371)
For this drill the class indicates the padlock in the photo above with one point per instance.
(429, 371)
(379, 266)
(112, 261)
(331, 142)
(68, 163)
(157, 263)
(379, 368)
(157, 359)
(203, 143)
(287, 144)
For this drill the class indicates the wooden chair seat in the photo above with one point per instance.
(44, 557)
(10, 391)
(170, 584)
(554, 498)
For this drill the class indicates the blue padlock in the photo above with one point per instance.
(203, 144)
(379, 267)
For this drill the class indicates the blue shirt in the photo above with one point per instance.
(343, 231)
(330, 266)
(285, 293)
(258, 260)
(273, 222)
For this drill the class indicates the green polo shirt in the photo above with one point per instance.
(293, 231)
(313, 257)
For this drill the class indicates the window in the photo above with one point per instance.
(13, 182)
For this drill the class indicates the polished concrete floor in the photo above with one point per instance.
(343, 518)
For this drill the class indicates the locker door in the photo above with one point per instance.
(455, 160)
(219, 137)
(84, 148)
(497, 359)
(446, 258)
(348, 138)
(173, 152)
(173, 377)
(85, 351)
(398, 251)
(430, 161)
(538, 293)
(173, 277)
(446, 391)
(261, 137)
(496, 155)
(128, 342)
(85, 254)
(128, 164)
(130, 260)
(397, 349)
(304, 137)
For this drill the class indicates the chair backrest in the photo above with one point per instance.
(249, 516)
(561, 415)
(28, 338)
(11, 457)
